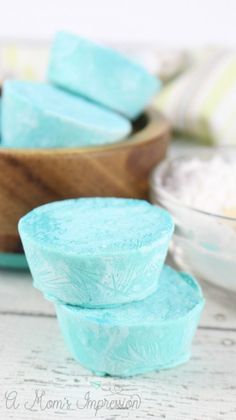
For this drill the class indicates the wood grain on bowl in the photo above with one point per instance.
(30, 178)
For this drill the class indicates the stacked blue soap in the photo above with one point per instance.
(96, 252)
(101, 74)
(100, 260)
(92, 93)
(152, 334)
(39, 115)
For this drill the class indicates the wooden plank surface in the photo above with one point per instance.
(34, 360)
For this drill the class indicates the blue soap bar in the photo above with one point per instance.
(40, 115)
(138, 337)
(101, 74)
(96, 251)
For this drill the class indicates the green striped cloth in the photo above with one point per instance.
(201, 102)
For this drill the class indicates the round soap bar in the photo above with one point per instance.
(40, 115)
(153, 334)
(96, 251)
(101, 74)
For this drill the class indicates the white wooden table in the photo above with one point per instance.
(40, 380)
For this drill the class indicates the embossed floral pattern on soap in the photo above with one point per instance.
(155, 333)
(96, 251)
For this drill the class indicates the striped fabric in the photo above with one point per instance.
(201, 102)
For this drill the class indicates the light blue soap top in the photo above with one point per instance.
(101, 74)
(102, 225)
(40, 115)
(177, 294)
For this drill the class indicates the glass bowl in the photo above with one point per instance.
(203, 244)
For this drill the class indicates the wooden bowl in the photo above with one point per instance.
(33, 177)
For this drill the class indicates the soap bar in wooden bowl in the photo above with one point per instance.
(39, 115)
(101, 74)
(34, 177)
(153, 334)
(96, 252)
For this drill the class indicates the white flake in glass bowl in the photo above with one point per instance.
(200, 192)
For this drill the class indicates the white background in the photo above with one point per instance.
(166, 22)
